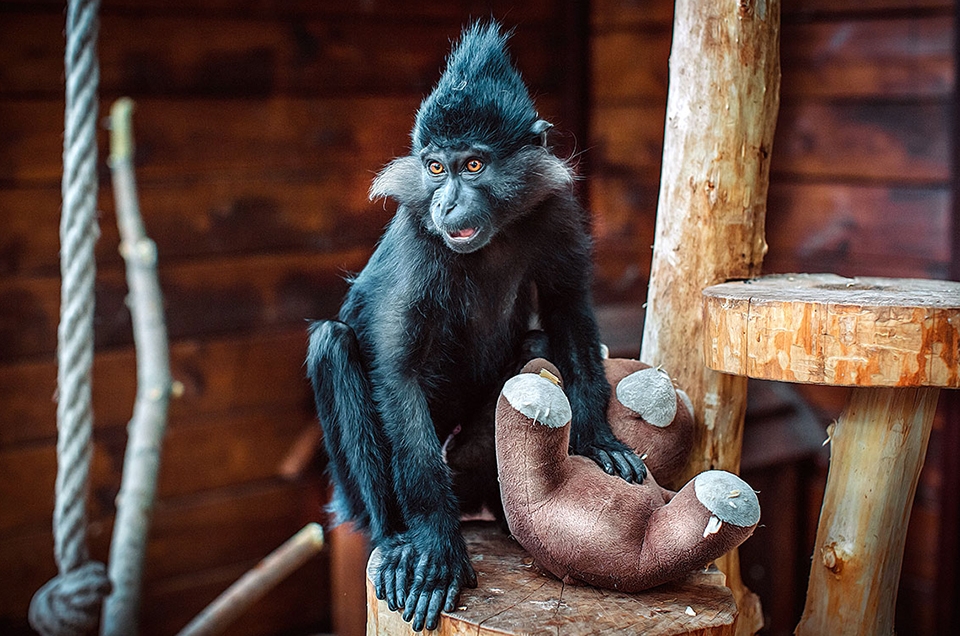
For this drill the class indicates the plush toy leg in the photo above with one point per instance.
(715, 512)
(651, 416)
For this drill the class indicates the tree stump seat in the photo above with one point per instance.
(897, 342)
(514, 596)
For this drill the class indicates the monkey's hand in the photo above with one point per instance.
(613, 456)
(423, 573)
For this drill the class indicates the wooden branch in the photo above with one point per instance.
(142, 458)
(721, 115)
(253, 585)
(877, 449)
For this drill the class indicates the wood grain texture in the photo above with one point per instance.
(721, 116)
(851, 229)
(217, 55)
(826, 329)
(514, 597)
(879, 58)
(877, 450)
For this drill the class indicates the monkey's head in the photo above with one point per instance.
(479, 159)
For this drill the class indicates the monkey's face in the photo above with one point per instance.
(461, 205)
(466, 195)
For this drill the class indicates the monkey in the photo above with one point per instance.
(486, 263)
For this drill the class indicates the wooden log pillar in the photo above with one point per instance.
(877, 449)
(721, 115)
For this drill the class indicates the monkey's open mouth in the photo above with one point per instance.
(465, 234)
(466, 240)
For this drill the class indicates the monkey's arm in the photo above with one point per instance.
(566, 315)
(425, 566)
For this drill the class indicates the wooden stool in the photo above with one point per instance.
(514, 597)
(897, 342)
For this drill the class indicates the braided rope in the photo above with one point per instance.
(70, 603)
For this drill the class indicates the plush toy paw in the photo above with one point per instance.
(649, 414)
(584, 525)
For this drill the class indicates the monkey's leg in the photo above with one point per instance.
(353, 434)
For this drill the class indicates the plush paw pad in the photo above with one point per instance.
(650, 394)
(729, 498)
(538, 398)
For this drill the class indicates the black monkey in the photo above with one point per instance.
(487, 239)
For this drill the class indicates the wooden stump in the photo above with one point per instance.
(515, 597)
(898, 342)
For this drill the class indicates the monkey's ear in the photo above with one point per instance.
(399, 180)
(539, 129)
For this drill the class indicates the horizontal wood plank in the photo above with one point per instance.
(215, 374)
(868, 58)
(205, 139)
(208, 297)
(379, 9)
(217, 56)
(858, 230)
(627, 138)
(299, 604)
(199, 454)
(901, 142)
(800, 8)
(196, 219)
(619, 14)
(898, 142)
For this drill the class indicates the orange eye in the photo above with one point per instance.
(435, 167)
(474, 165)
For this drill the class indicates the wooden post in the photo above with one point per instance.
(721, 115)
(877, 449)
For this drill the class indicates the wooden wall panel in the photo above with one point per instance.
(215, 374)
(246, 56)
(205, 297)
(903, 57)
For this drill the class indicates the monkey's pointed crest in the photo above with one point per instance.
(480, 97)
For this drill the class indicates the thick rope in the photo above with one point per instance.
(70, 603)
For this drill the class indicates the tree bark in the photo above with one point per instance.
(721, 115)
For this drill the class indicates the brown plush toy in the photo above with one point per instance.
(584, 525)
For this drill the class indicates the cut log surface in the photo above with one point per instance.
(826, 329)
(515, 597)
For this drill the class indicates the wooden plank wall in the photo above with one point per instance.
(259, 126)
(860, 185)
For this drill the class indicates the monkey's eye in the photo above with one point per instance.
(474, 165)
(435, 167)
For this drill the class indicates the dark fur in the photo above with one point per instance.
(434, 325)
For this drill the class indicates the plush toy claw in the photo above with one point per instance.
(584, 525)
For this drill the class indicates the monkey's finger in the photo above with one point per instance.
(425, 572)
(602, 458)
(389, 576)
(624, 469)
(402, 576)
(434, 607)
(470, 577)
(384, 572)
(420, 614)
(450, 601)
